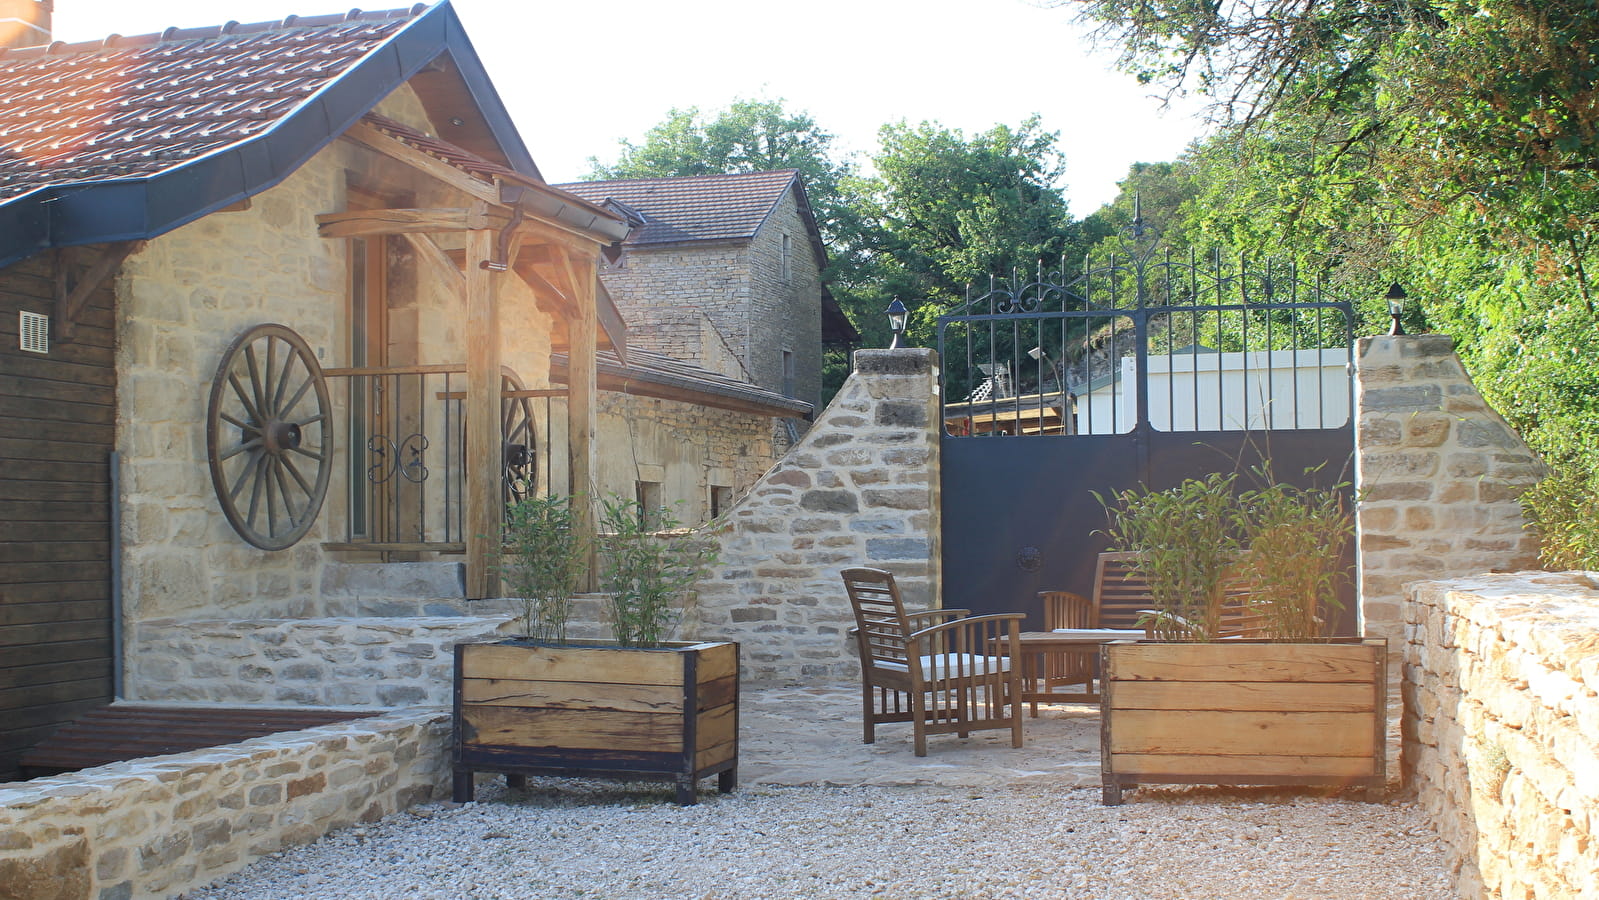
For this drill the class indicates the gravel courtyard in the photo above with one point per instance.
(821, 815)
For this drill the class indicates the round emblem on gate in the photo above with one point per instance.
(1029, 559)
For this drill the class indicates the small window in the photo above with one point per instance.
(788, 373)
(648, 494)
(721, 499)
(35, 330)
(788, 272)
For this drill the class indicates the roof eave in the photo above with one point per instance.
(148, 206)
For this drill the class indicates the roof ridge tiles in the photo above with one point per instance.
(175, 35)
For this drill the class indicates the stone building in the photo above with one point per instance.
(282, 306)
(723, 272)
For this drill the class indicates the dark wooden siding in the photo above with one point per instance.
(57, 430)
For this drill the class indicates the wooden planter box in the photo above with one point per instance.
(1244, 712)
(597, 710)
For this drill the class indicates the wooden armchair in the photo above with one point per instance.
(943, 670)
(1122, 600)
(1064, 609)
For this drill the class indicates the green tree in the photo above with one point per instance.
(1452, 145)
(950, 211)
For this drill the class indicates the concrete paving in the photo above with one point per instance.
(812, 736)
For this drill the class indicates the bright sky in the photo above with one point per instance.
(580, 76)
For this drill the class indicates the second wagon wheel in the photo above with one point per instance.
(269, 436)
(518, 439)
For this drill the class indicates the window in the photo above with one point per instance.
(721, 499)
(788, 373)
(648, 494)
(788, 271)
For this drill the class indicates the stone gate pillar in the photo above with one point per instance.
(1438, 477)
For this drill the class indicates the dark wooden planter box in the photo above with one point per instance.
(597, 710)
(1244, 712)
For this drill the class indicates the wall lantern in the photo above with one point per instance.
(896, 322)
(1396, 305)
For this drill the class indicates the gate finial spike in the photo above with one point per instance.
(1138, 216)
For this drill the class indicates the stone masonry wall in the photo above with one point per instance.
(341, 662)
(1438, 476)
(152, 828)
(860, 489)
(785, 309)
(1501, 728)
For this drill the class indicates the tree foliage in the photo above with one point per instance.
(951, 210)
(1452, 145)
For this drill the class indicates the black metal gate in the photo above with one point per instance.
(1145, 369)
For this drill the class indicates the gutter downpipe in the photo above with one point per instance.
(117, 654)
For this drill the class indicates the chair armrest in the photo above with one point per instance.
(967, 647)
(934, 613)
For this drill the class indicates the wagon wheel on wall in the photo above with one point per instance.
(269, 436)
(520, 454)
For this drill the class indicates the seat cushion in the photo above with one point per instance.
(953, 665)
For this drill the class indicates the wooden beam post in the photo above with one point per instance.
(582, 422)
(485, 510)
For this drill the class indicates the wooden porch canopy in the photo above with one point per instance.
(517, 225)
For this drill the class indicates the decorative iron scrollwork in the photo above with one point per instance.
(389, 455)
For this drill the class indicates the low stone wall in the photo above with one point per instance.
(339, 662)
(859, 489)
(152, 828)
(1501, 728)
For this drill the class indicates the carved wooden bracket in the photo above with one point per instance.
(72, 295)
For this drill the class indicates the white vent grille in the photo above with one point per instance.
(35, 333)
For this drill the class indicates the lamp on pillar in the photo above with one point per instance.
(896, 322)
(1396, 305)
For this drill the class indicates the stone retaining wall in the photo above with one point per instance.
(152, 828)
(859, 489)
(338, 662)
(1501, 728)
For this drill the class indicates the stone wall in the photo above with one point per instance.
(684, 447)
(1438, 476)
(1501, 729)
(785, 309)
(340, 662)
(860, 489)
(152, 828)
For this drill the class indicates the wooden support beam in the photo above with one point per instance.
(72, 298)
(485, 510)
(555, 300)
(438, 262)
(582, 421)
(368, 222)
(373, 138)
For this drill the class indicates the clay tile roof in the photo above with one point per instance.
(693, 208)
(133, 106)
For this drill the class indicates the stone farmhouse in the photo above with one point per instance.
(724, 271)
(285, 312)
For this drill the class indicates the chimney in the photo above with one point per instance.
(25, 23)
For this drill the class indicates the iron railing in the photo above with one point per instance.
(1147, 340)
(404, 456)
